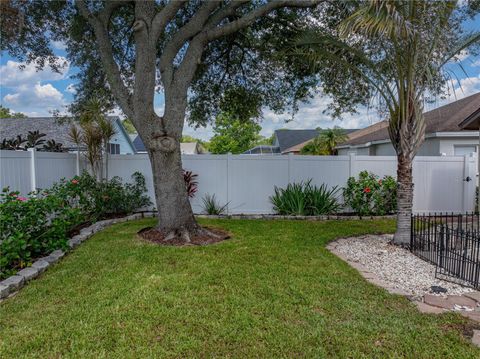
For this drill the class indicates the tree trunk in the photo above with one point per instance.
(175, 215)
(404, 201)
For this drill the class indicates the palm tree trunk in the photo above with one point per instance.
(404, 201)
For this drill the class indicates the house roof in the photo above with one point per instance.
(289, 138)
(186, 148)
(295, 136)
(448, 118)
(52, 127)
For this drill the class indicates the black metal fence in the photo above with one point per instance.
(451, 242)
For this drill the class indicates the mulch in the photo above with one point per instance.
(155, 236)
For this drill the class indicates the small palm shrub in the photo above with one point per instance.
(211, 205)
(305, 199)
(370, 195)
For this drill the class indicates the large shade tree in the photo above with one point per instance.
(399, 49)
(190, 50)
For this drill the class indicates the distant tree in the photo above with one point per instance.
(233, 135)
(5, 112)
(325, 143)
(129, 127)
(268, 141)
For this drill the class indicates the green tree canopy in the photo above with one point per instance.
(5, 112)
(325, 143)
(232, 134)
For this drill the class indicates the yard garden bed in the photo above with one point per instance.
(272, 290)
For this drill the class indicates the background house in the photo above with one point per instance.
(288, 141)
(59, 131)
(446, 133)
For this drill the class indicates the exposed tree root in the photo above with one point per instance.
(179, 237)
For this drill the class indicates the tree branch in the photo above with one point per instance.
(164, 16)
(186, 32)
(248, 19)
(106, 54)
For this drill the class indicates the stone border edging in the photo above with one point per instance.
(429, 304)
(308, 218)
(14, 283)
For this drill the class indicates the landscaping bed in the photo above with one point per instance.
(272, 290)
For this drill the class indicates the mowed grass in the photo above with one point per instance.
(272, 291)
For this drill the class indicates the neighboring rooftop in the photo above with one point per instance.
(289, 138)
(295, 140)
(447, 118)
(52, 127)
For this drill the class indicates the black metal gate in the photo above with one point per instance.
(451, 242)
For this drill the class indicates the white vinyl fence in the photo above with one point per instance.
(245, 182)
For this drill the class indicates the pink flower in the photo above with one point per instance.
(23, 199)
(14, 195)
(367, 190)
(74, 181)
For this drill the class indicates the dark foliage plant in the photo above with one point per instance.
(191, 182)
(370, 195)
(33, 226)
(305, 199)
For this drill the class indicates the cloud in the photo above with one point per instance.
(71, 89)
(310, 115)
(464, 88)
(475, 63)
(13, 75)
(59, 45)
(38, 100)
(30, 91)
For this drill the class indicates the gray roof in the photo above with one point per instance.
(448, 118)
(138, 144)
(289, 138)
(52, 127)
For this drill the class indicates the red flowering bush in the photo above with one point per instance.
(371, 196)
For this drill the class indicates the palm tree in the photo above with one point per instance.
(95, 133)
(331, 138)
(399, 48)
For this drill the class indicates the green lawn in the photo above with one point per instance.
(272, 291)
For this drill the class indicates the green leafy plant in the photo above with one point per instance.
(33, 226)
(370, 195)
(305, 199)
(211, 205)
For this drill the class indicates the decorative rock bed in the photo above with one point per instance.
(14, 283)
(400, 272)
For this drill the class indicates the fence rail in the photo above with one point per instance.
(451, 242)
(246, 182)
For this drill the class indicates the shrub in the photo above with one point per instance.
(211, 206)
(103, 199)
(370, 195)
(305, 199)
(35, 226)
(32, 227)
